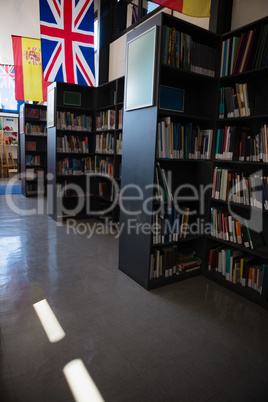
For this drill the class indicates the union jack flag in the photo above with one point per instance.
(67, 41)
(7, 76)
(8, 102)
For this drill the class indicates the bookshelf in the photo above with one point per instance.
(33, 147)
(83, 165)
(71, 144)
(161, 142)
(109, 135)
(240, 167)
(233, 122)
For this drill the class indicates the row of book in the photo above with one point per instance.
(71, 121)
(104, 166)
(34, 189)
(104, 190)
(35, 129)
(33, 113)
(105, 120)
(249, 51)
(119, 144)
(73, 166)
(120, 119)
(34, 173)
(181, 51)
(169, 224)
(237, 267)
(72, 144)
(234, 102)
(107, 190)
(64, 189)
(241, 144)
(105, 143)
(230, 185)
(163, 262)
(163, 188)
(32, 160)
(168, 261)
(183, 141)
(224, 226)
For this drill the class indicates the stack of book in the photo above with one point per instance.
(187, 261)
(234, 102)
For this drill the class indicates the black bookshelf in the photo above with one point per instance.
(33, 148)
(109, 137)
(140, 156)
(255, 77)
(70, 149)
(80, 176)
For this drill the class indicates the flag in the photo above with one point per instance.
(134, 14)
(193, 8)
(67, 40)
(8, 102)
(29, 81)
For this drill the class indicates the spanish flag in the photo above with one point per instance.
(29, 80)
(193, 8)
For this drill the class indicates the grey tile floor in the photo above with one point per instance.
(190, 341)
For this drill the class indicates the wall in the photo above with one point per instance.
(19, 17)
(246, 11)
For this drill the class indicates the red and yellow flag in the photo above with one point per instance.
(193, 8)
(29, 80)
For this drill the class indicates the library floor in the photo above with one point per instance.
(190, 341)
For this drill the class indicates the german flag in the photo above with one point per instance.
(193, 8)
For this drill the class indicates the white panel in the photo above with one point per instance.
(117, 58)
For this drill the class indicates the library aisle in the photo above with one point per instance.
(189, 341)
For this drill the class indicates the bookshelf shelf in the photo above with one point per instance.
(246, 292)
(261, 252)
(157, 282)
